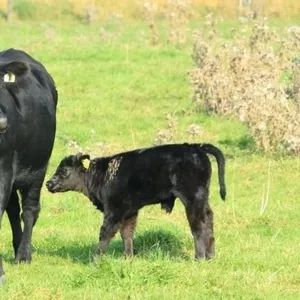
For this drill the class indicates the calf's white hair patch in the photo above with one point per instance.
(9, 77)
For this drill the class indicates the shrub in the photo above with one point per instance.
(245, 77)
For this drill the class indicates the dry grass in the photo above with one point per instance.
(131, 9)
(245, 77)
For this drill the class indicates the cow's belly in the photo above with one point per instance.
(26, 176)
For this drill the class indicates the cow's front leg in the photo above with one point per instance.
(127, 232)
(109, 228)
(31, 209)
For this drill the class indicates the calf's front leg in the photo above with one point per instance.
(109, 228)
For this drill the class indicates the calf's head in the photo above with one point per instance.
(68, 175)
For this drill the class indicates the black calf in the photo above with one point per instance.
(120, 185)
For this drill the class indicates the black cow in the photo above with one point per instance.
(121, 184)
(28, 99)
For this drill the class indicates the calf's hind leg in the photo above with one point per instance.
(209, 238)
(127, 231)
(196, 215)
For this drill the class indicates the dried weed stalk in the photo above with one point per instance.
(150, 10)
(244, 77)
(177, 13)
(90, 11)
(167, 135)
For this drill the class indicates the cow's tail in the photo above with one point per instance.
(217, 153)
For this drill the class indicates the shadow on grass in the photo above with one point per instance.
(148, 245)
(244, 143)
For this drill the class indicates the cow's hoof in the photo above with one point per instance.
(2, 280)
(199, 257)
(23, 256)
(19, 260)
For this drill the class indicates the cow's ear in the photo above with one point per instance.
(13, 70)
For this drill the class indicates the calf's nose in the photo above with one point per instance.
(49, 184)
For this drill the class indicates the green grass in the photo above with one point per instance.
(113, 96)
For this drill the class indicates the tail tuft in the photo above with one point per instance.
(223, 193)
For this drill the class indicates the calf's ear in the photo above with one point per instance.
(84, 159)
(86, 163)
(11, 71)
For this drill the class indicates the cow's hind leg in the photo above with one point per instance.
(109, 228)
(195, 212)
(127, 232)
(5, 188)
(209, 238)
(168, 204)
(13, 212)
(31, 209)
(1, 272)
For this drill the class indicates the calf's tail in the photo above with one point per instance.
(217, 153)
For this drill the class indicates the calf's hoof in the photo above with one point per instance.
(204, 257)
(128, 255)
(96, 257)
(209, 256)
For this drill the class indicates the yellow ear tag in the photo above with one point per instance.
(9, 77)
(86, 163)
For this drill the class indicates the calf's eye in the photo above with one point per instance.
(64, 172)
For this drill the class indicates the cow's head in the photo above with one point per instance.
(68, 175)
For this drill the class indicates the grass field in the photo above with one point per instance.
(114, 93)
